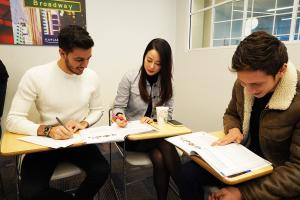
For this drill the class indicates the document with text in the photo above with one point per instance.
(228, 160)
(113, 133)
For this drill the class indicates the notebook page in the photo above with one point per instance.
(232, 159)
(192, 141)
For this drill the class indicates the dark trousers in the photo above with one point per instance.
(37, 169)
(3, 86)
(141, 145)
(194, 179)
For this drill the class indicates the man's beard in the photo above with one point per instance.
(70, 67)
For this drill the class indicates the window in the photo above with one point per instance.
(216, 23)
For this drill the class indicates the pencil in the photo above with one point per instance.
(61, 123)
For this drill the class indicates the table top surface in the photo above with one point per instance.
(10, 145)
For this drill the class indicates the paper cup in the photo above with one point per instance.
(162, 115)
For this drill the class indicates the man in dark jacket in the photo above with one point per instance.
(264, 115)
(3, 85)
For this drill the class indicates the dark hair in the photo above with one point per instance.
(73, 36)
(164, 50)
(260, 51)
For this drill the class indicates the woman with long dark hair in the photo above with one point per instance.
(139, 93)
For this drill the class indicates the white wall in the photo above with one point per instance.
(121, 30)
(203, 81)
(121, 33)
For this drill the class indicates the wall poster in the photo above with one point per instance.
(37, 22)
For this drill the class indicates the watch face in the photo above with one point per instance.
(47, 130)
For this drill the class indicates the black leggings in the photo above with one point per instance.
(37, 169)
(165, 160)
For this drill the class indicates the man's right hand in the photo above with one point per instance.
(234, 135)
(60, 133)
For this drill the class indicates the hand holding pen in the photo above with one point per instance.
(120, 119)
(60, 132)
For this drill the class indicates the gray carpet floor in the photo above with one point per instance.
(112, 190)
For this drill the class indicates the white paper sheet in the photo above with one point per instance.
(52, 143)
(114, 133)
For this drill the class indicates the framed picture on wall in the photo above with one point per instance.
(37, 22)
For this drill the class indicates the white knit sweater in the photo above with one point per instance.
(55, 94)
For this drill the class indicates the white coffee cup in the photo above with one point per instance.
(162, 115)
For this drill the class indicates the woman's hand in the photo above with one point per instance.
(234, 135)
(147, 120)
(120, 119)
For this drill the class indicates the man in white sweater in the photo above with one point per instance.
(66, 89)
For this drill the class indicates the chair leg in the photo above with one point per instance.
(173, 187)
(110, 163)
(98, 195)
(18, 173)
(110, 175)
(2, 186)
(124, 171)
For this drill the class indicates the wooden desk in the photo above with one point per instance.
(10, 145)
(233, 180)
(166, 131)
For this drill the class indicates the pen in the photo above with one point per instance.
(61, 123)
(240, 173)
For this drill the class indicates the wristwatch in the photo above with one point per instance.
(47, 130)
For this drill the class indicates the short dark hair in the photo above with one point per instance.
(260, 51)
(74, 36)
(166, 62)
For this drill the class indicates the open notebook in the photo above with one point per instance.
(229, 160)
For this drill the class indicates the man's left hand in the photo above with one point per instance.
(75, 125)
(227, 193)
